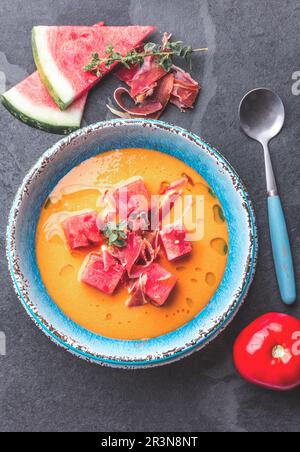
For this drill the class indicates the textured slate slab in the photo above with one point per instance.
(44, 388)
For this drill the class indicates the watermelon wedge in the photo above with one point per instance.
(30, 102)
(61, 53)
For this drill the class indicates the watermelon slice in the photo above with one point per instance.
(30, 102)
(61, 53)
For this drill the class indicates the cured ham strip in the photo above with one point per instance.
(137, 293)
(148, 254)
(178, 224)
(178, 184)
(142, 79)
(153, 238)
(168, 201)
(152, 107)
(168, 195)
(126, 75)
(185, 90)
(145, 109)
(138, 249)
(189, 179)
(131, 253)
(107, 258)
(163, 94)
(145, 80)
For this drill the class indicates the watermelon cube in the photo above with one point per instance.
(82, 231)
(159, 285)
(175, 243)
(104, 275)
(132, 198)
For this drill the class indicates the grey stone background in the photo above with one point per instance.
(43, 388)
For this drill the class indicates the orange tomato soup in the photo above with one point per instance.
(199, 274)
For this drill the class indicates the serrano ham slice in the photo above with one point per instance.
(185, 90)
(142, 79)
(152, 107)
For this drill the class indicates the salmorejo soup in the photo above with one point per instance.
(132, 244)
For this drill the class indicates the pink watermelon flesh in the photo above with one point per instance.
(175, 243)
(160, 283)
(103, 276)
(36, 90)
(82, 231)
(72, 48)
(132, 198)
(30, 102)
(33, 88)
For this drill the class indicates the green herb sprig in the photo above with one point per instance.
(116, 234)
(162, 53)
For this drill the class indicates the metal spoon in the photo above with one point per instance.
(262, 117)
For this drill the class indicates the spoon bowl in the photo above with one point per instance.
(262, 115)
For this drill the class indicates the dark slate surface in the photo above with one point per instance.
(44, 388)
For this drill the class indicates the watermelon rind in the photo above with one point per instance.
(44, 118)
(55, 48)
(48, 70)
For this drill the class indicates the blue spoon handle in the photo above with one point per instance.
(282, 251)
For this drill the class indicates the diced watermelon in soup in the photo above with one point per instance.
(132, 198)
(103, 275)
(175, 243)
(82, 231)
(160, 283)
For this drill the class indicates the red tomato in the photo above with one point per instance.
(267, 352)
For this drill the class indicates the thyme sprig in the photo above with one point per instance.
(116, 234)
(163, 54)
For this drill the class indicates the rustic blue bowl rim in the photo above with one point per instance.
(172, 355)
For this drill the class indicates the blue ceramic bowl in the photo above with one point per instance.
(57, 162)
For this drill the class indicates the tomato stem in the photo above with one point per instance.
(278, 351)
